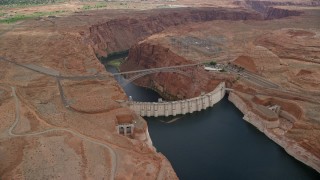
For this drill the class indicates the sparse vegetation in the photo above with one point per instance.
(114, 56)
(116, 63)
(97, 6)
(19, 17)
(28, 2)
(213, 63)
(2, 14)
(222, 70)
(235, 80)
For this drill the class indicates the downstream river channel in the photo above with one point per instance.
(218, 144)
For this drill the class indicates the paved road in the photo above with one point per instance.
(50, 72)
(62, 95)
(272, 89)
(141, 74)
(253, 78)
(44, 71)
(260, 81)
(55, 74)
(81, 136)
(157, 69)
(245, 74)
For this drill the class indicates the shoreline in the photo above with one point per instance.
(290, 146)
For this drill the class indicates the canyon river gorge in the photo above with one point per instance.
(217, 143)
(239, 81)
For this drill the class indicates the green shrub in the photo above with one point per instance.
(19, 17)
(27, 2)
(96, 6)
(86, 7)
(213, 63)
(223, 70)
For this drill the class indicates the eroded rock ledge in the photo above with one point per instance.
(281, 127)
(171, 86)
(275, 130)
(120, 34)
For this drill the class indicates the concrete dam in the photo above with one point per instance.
(173, 108)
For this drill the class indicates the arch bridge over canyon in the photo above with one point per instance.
(186, 70)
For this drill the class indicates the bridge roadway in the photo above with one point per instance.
(247, 76)
(141, 74)
(174, 108)
(179, 69)
(54, 73)
(253, 78)
(157, 69)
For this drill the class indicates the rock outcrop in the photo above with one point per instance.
(276, 132)
(271, 53)
(269, 12)
(292, 44)
(62, 128)
(258, 5)
(276, 13)
(170, 85)
(121, 34)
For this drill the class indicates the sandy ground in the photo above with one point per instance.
(283, 51)
(57, 128)
(53, 127)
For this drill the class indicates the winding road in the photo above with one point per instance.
(81, 136)
(245, 74)
(89, 139)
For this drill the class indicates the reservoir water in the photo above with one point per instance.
(218, 144)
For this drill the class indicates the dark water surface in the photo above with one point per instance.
(136, 92)
(218, 144)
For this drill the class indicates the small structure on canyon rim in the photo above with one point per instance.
(125, 125)
(275, 108)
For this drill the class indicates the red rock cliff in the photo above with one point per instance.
(121, 34)
(269, 12)
(169, 85)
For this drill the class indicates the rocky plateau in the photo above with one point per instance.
(59, 108)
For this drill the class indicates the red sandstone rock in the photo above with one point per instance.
(145, 55)
(120, 34)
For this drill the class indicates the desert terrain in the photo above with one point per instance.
(60, 109)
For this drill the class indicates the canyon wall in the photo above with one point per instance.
(121, 34)
(291, 146)
(269, 12)
(171, 86)
(293, 44)
(125, 33)
(275, 13)
(263, 4)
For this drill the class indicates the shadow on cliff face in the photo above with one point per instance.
(269, 12)
(120, 34)
(170, 85)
